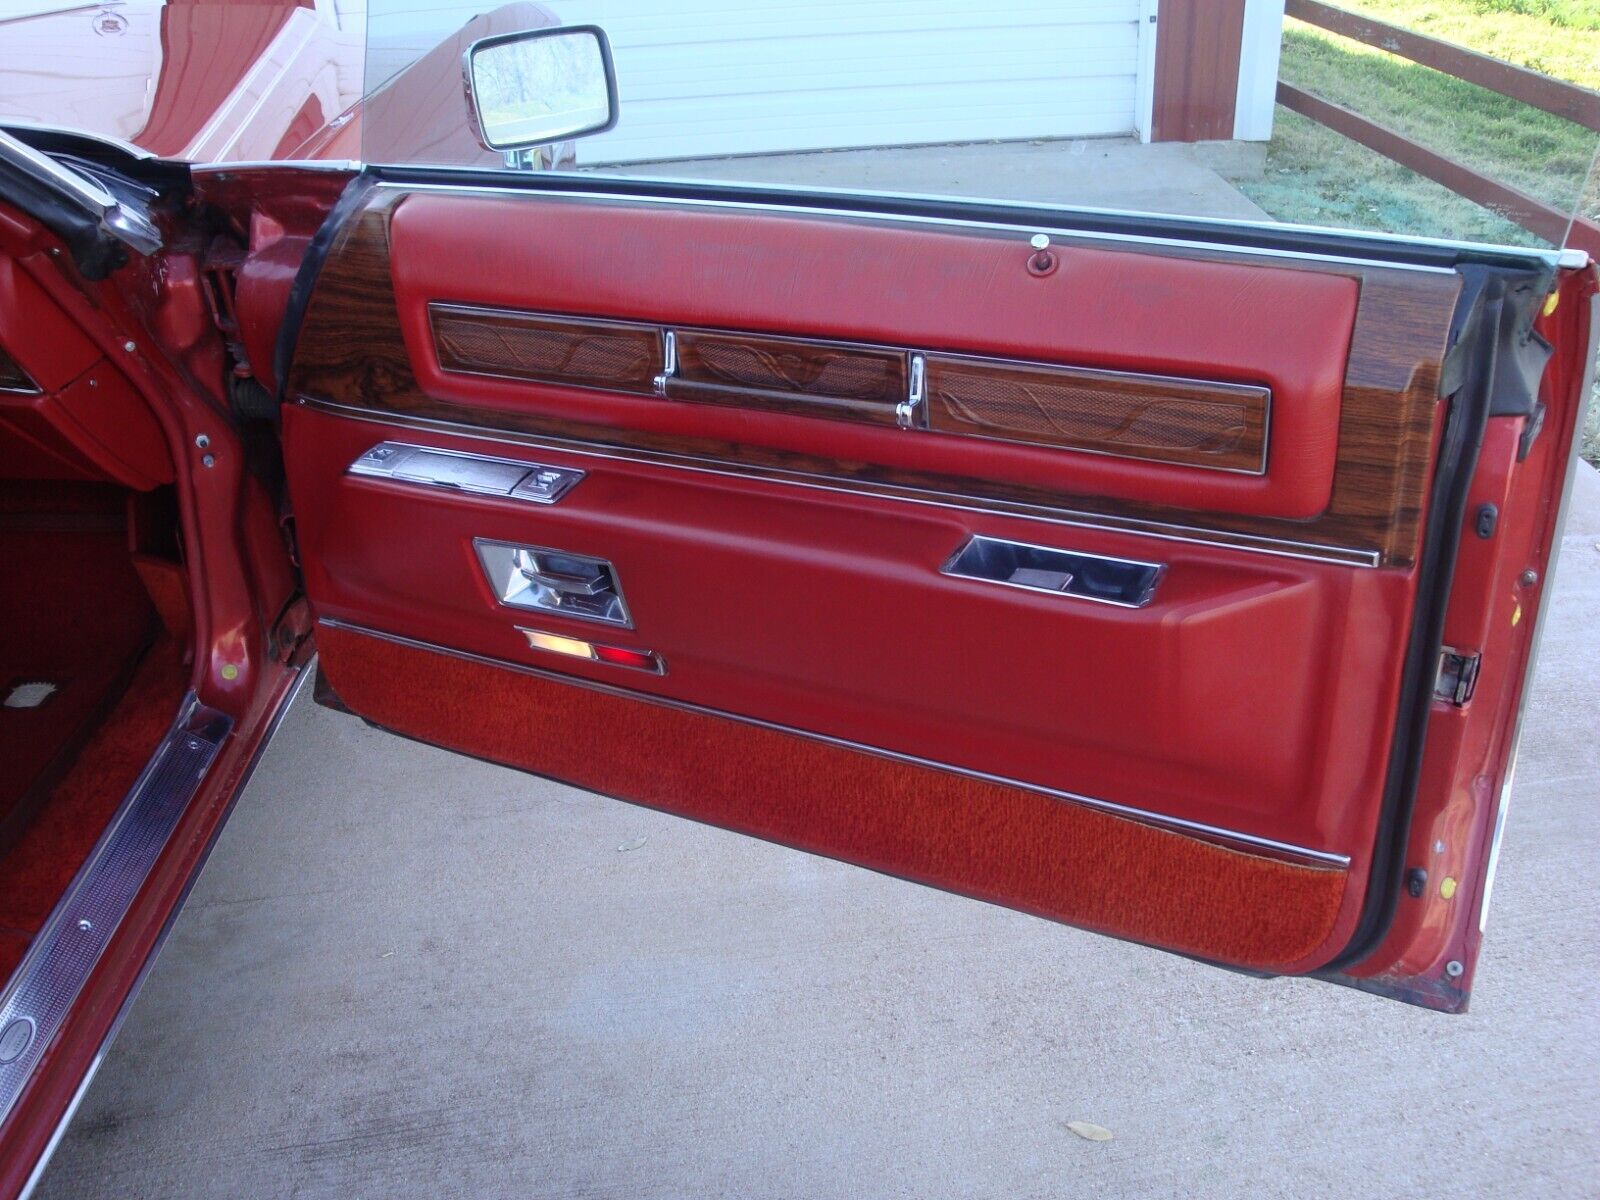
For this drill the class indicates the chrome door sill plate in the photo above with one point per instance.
(68, 947)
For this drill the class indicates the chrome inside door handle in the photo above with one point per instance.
(553, 581)
(591, 583)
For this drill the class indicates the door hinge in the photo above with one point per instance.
(1458, 675)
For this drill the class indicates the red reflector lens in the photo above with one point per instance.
(619, 656)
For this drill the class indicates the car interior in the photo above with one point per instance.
(93, 600)
(1158, 576)
(1172, 578)
(95, 607)
(1082, 576)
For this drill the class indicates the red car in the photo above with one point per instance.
(1175, 579)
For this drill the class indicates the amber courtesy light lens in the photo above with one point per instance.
(616, 656)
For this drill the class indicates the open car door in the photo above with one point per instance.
(1172, 580)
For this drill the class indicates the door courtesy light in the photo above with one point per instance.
(616, 656)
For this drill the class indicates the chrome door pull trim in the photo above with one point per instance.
(457, 471)
(908, 414)
(669, 361)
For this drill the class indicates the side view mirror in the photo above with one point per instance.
(541, 85)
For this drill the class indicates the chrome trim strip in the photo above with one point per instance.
(303, 675)
(1228, 837)
(909, 410)
(669, 361)
(66, 949)
(1025, 230)
(1253, 543)
(86, 194)
(1546, 588)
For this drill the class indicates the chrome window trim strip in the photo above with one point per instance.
(1016, 510)
(1231, 838)
(1027, 231)
(69, 945)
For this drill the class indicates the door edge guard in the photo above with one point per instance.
(1228, 838)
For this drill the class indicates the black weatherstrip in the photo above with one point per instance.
(1495, 313)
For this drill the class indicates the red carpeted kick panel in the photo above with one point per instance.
(74, 617)
(37, 869)
(1006, 845)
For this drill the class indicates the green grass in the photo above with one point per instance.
(1569, 14)
(1315, 176)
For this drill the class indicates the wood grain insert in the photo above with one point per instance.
(1192, 422)
(617, 355)
(351, 353)
(838, 380)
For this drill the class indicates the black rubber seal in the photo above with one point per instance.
(1495, 310)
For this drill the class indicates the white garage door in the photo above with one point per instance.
(701, 78)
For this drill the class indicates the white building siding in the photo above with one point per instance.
(701, 78)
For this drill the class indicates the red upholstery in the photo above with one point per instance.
(1240, 697)
(38, 868)
(1000, 844)
(72, 614)
(902, 286)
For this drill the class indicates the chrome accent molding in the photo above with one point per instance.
(669, 362)
(66, 949)
(88, 195)
(912, 409)
(1232, 839)
(843, 210)
(458, 471)
(1253, 543)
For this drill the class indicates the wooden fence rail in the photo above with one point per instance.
(1567, 100)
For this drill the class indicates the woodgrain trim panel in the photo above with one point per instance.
(616, 355)
(352, 353)
(799, 376)
(1192, 422)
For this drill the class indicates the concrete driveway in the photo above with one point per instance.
(405, 974)
(1178, 178)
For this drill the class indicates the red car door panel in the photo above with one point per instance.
(1289, 330)
(1206, 771)
(827, 612)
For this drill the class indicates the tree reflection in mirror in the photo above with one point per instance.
(537, 87)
